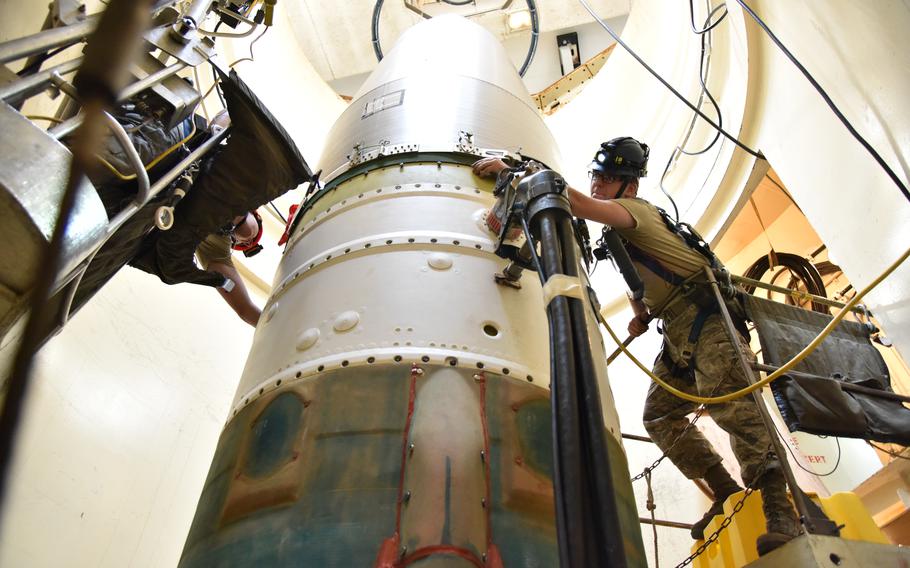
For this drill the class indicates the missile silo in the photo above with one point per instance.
(394, 409)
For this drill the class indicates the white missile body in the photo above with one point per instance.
(394, 409)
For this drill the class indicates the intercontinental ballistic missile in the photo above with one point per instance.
(395, 406)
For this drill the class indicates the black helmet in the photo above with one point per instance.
(623, 156)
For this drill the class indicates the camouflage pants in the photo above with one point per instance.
(718, 372)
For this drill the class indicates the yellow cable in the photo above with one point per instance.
(784, 368)
(154, 162)
(53, 119)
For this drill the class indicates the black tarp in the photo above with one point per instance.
(821, 405)
(258, 163)
(150, 140)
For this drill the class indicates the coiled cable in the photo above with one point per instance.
(801, 269)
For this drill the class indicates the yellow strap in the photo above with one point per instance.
(562, 285)
(783, 369)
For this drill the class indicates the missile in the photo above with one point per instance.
(395, 406)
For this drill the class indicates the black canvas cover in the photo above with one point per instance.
(150, 140)
(258, 163)
(821, 405)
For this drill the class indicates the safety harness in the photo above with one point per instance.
(696, 292)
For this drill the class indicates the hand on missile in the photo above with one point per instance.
(488, 167)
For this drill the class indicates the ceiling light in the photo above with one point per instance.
(518, 20)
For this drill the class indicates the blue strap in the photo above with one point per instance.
(654, 265)
(699, 322)
(688, 350)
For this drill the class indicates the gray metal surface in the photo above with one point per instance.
(429, 95)
(176, 92)
(142, 177)
(48, 39)
(23, 88)
(195, 52)
(70, 125)
(155, 77)
(809, 550)
(33, 174)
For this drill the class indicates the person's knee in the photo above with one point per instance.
(661, 426)
(650, 427)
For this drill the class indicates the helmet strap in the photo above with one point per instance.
(622, 189)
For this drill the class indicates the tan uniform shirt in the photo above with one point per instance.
(652, 236)
(216, 248)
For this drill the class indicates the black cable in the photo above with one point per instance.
(17, 385)
(619, 40)
(374, 26)
(32, 67)
(535, 32)
(664, 189)
(533, 249)
(604, 513)
(217, 85)
(586, 506)
(532, 48)
(702, 78)
(707, 27)
(800, 466)
(802, 270)
(786, 193)
(277, 212)
(859, 138)
(568, 471)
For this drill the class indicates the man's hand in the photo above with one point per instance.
(489, 167)
(638, 325)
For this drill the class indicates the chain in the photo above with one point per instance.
(728, 520)
(651, 506)
(698, 413)
(647, 471)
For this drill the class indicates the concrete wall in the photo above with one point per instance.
(860, 57)
(544, 69)
(125, 408)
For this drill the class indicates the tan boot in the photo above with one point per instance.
(780, 518)
(720, 482)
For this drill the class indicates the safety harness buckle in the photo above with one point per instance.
(685, 354)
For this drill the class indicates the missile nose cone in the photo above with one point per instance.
(447, 87)
(449, 46)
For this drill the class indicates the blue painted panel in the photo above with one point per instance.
(271, 440)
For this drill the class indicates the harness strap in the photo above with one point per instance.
(622, 189)
(654, 265)
(690, 237)
(688, 349)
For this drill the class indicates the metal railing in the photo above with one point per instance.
(20, 90)
(813, 519)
